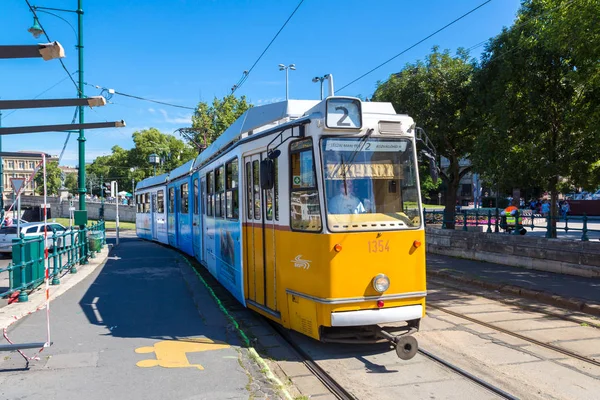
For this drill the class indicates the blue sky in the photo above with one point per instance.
(186, 51)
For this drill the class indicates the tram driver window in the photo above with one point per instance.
(305, 209)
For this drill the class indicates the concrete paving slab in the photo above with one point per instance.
(152, 340)
(561, 381)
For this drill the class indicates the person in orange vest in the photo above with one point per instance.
(510, 214)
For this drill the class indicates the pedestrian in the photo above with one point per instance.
(565, 208)
(8, 221)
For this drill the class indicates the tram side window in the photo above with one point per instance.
(160, 200)
(231, 187)
(147, 203)
(185, 198)
(171, 200)
(219, 191)
(249, 202)
(304, 197)
(256, 185)
(210, 200)
(196, 196)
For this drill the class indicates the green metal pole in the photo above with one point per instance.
(81, 138)
(1, 177)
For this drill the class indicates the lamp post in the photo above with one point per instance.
(320, 79)
(132, 186)
(286, 68)
(154, 159)
(37, 30)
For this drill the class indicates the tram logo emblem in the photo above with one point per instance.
(300, 263)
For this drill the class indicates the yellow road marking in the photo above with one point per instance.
(172, 353)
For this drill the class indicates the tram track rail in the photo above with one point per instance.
(531, 308)
(478, 381)
(517, 335)
(343, 394)
(326, 379)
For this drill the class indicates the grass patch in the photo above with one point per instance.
(109, 224)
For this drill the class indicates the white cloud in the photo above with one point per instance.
(180, 119)
(152, 110)
(269, 101)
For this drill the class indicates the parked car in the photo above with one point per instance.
(596, 195)
(29, 229)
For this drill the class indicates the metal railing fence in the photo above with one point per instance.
(65, 250)
(492, 221)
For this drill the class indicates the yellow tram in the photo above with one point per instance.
(309, 213)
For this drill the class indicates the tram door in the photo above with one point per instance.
(260, 239)
(154, 220)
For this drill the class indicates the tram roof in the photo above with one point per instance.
(181, 170)
(151, 181)
(254, 118)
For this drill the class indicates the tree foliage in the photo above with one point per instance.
(539, 88)
(53, 181)
(212, 120)
(118, 165)
(71, 183)
(436, 93)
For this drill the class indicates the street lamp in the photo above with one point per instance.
(286, 68)
(132, 185)
(37, 30)
(154, 159)
(321, 79)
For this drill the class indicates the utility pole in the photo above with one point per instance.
(2, 177)
(81, 138)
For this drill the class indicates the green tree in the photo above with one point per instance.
(119, 164)
(210, 121)
(71, 183)
(539, 85)
(436, 94)
(53, 181)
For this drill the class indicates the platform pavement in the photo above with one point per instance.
(131, 329)
(567, 291)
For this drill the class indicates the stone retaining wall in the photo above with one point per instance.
(60, 209)
(562, 256)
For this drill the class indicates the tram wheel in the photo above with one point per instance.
(406, 347)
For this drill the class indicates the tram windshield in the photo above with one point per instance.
(370, 184)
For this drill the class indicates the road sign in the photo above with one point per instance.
(71, 208)
(17, 183)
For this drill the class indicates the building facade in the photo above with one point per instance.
(20, 164)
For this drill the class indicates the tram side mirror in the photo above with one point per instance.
(273, 154)
(267, 174)
(433, 170)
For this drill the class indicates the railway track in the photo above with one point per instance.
(343, 394)
(517, 335)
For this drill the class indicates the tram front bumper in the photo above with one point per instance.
(376, 316)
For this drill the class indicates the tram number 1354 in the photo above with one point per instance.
(379, 246)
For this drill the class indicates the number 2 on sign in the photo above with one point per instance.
(378, 246)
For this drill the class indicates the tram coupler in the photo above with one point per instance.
(406, 344)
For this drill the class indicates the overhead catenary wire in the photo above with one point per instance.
(416, 44)
(142, 98)
(246, 74)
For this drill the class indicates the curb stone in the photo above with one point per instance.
(544, 297)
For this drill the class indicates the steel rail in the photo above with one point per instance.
(330, 383)
(480, 291)
(469, 376)
(519, 336)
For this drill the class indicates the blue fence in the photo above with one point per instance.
(492, 221)
(65, 251)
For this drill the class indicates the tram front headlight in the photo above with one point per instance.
(381, 283)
